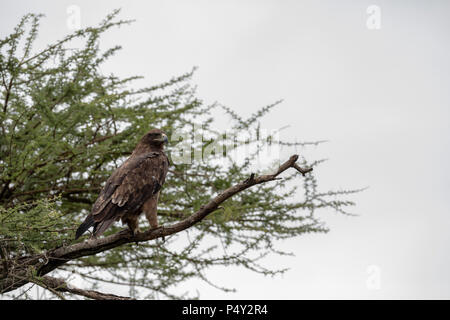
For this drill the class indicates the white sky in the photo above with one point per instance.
(379, 96)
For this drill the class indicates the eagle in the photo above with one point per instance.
(132, 188)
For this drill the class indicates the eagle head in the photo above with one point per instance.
(155, 138)
(151, 141)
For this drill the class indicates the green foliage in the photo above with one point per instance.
(64, 126)
(35, 226)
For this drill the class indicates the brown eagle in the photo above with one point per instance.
(133, 188)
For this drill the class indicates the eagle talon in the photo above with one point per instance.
(162, 231)
(134, 232)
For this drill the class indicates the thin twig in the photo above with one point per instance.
(59, 285)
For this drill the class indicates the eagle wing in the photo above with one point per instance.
(127, 189)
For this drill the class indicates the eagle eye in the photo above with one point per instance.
(153, 135)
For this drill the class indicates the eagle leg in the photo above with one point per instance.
(150, 209)
(133, 225)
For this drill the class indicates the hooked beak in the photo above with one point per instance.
(164, 139)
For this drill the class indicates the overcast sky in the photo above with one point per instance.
(372, 77)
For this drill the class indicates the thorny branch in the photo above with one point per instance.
(52, 259)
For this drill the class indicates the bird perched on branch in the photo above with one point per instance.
(133, 188)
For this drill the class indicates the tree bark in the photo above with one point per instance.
(59, 285)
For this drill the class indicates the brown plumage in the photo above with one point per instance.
(133, 188)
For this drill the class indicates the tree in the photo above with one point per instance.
(65, 126)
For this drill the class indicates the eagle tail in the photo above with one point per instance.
(100, 227)
(88, 222)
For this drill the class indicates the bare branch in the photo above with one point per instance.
(301, 170)
(59, 285)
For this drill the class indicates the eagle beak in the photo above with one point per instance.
(164, 139)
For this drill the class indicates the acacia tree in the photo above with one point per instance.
(65, 126)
